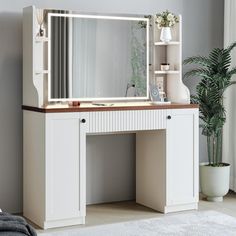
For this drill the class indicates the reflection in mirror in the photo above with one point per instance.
(98, 57)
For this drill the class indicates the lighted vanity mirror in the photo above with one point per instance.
(95, 57)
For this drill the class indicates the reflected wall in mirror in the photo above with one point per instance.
(97, 57)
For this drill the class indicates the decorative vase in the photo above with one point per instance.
(41, 31)
(40, 14)
(214, 181)
(165, 34)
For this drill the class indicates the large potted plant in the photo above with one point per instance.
(216, 76)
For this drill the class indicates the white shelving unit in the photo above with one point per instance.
(171, 53)
(35, 50)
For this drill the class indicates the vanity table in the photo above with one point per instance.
(55, 140)
(54, 167)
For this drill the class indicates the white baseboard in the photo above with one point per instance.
(184, 207)
(63, 223)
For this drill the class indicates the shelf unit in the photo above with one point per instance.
(35, 66)
(171, 53)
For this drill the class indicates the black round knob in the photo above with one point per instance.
(83, 121)
(169, 117)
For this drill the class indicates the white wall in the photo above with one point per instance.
(203, 30)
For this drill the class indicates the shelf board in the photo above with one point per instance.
(159, 43)
(160, 103)
(161, 72)
(41, 39)
(39, 72)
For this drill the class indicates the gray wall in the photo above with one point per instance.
(110, 168)
(202, 30)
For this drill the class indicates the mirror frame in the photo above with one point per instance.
(90, 99)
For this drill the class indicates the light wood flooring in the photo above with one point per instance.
(127, 211)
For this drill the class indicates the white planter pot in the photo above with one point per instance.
(214, 181)
(165, 34)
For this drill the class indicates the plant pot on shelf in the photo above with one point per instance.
(214, 181)
(165, 34)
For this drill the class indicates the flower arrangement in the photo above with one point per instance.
(166, 19)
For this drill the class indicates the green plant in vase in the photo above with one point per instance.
(216, 76)
(165, 21)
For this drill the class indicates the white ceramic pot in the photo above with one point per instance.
(214, 181)
(165, 34)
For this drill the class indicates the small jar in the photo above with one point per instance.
(165, 66)
(74, 103)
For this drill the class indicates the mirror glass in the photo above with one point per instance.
(97, 57)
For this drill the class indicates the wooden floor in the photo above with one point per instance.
(128, 211)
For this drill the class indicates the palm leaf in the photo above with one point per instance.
(231, 47)
(197, 72)
(231, 72)
(200, 60)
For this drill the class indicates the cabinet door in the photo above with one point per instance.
(182, 156)
(63, 164)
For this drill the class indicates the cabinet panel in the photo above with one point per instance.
(182, 157)
(62, 166)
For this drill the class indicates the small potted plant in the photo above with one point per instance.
(165, 21)
(215, 73)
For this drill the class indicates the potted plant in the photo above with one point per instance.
(215, 73)
(164, 21)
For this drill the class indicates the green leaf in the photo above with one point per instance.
(231, 47)
(200, 60)
(231, 72)
(197, 72)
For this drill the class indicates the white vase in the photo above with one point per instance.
(165, 34)
(214, 181)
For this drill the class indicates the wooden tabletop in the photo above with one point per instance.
(107, 107)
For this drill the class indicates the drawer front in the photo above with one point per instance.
(121, 121)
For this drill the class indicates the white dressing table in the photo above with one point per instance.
(55, 166)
